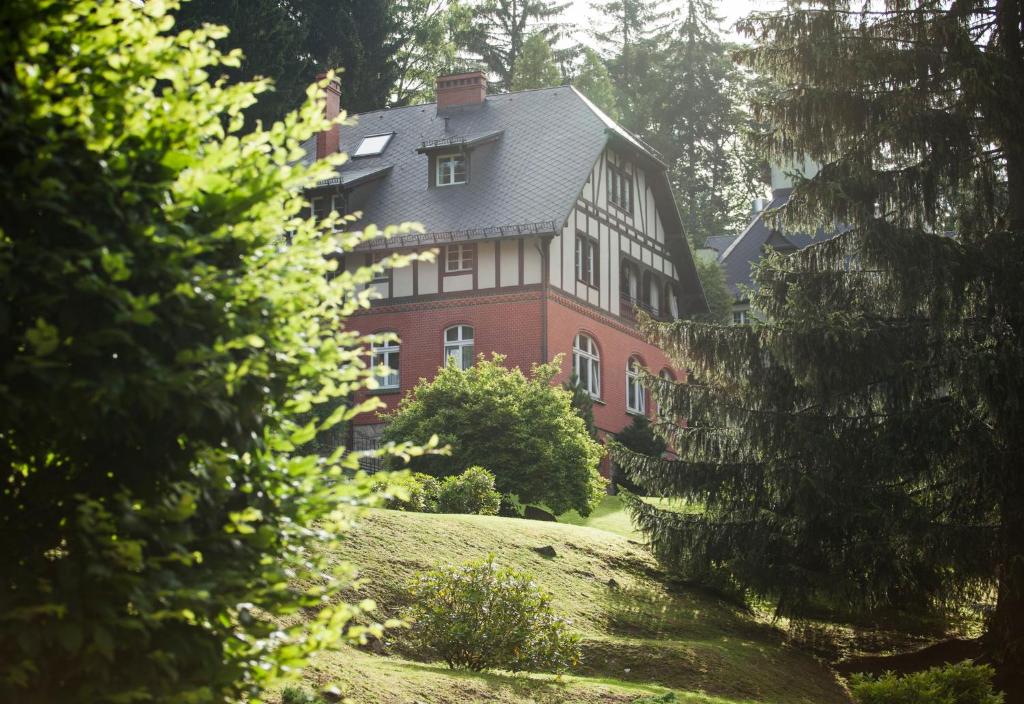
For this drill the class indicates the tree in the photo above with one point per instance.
(716, 290)
(500, 28)
(160, 345)
(638, 437)
(521, 428)
(862, 446)
(582, 402)
(536, 66)
(592, 79)
(388, 52)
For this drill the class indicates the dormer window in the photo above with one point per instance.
(451, 169)
(373, 145)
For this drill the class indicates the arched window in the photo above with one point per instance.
(671, 301)
(586, 364)
(458, 345)
(385, 354)
(667, 375)
(636, 398)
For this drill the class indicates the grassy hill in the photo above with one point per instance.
(640, 636)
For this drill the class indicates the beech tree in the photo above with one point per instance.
(168, 319)
(862, 446)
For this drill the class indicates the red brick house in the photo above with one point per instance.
(551, 224)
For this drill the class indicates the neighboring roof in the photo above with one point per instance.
(719, 243)
(738, 258)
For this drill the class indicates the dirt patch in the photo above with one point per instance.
(944, 653)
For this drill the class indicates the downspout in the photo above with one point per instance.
(543, 246)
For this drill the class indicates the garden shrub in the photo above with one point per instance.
(162, 346)
(520, 427)
(481, 617)
(963, 683)
(470, 492)
(299, 695)
(409, 491)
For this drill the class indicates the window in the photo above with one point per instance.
(586, 364)
(649, 292)
(458, 346)
(451, 170)
(636, 398)
(325, 205)
(630, 286)
(458, 258)
(373, 144)
(620, 189)
(385, 354)
(382, 276)
(739, 317)
(586, 260)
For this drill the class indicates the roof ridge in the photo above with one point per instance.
(489, 95)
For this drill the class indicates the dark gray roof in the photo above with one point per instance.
(539, 148)
(352, 177)
(738, 258)
(531, 155)
(719, 243)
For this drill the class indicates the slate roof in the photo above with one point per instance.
(531, 155)
(737, 260)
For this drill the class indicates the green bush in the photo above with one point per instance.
(299, 695)
(963, 683)
(520, 427)
(481, 617)
(408, 491)
(470, 492)
(162, 347)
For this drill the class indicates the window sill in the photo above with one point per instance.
(587, 283)
(634, 412)
(599, 401)
(385, 392)
(621, 208)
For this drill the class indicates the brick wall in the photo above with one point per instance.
(509, 323)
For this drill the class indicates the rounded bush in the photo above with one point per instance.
(408, 492)
(963, 683)
(470, 492)
(483, 617)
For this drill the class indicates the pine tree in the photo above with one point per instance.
(536, 67)
(592, 79)
(862, 447)
(500, 28)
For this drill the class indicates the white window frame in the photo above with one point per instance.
(636, 396)
(463, 258)
(586, 364)
(382, 354)
(586, 260)
(363, 148)
(460, 349)
(740, 317)
(445, 176)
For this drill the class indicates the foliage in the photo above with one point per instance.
(484, 617)
(536, 65)
(499, 29)
(862, 445)
(592, 79)
(408, 491)
(521, 428)
(299, 695)
(161, 343)
(963, 683)
(470, 492)
(388, 52)
(639, 437)
(582, 402)
(666, 698)
(716, 290)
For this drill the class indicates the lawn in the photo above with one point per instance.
(640, 636)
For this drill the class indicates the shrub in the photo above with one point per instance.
(161, 348)
(963, 683)
(408, 491)
(481, 616)
(470, 492)
(299, 695)
(521, 428)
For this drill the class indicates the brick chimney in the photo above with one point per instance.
(461, 89)
(327, 142)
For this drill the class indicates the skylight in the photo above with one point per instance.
(373, 145)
